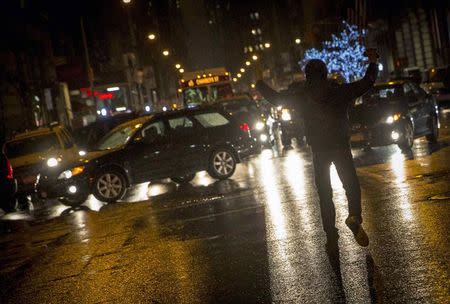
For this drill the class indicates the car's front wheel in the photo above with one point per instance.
(109, 186)
(407, 140)
(183, 179)
(434, 129)
(222, 164)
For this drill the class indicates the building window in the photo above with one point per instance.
(256, 15)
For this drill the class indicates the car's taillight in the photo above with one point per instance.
(244, 127)
(10, 174)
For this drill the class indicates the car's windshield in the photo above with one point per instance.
(117, 137)
(31, 145)
(383, 94)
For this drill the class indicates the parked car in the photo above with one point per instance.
(32, 151)
(395, 112)
(88, 136)
(172, 145)
(8, 185)
(246, 110)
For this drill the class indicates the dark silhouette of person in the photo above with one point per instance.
(324, 106)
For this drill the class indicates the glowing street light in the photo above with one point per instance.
(181, 70)
(252, 85)
(298, 41)
(235, 79)
(247, 63)
(151, 36)
(165, 53)
(126, 1)
(242, 70)
(267, 45)
(177, 66)
(254, 57)
(239, 75)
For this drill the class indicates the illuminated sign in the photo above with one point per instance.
(204, 81)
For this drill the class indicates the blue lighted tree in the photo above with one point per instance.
(343, 54)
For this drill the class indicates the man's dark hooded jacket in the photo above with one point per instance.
(324, 105)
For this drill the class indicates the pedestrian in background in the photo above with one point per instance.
(324, 105)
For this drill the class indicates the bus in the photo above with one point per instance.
(205, 86)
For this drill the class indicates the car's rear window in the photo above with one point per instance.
(212, 119)
(31, 145)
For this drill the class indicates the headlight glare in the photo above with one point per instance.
(52, 162)
(285, 115)
(391, 119)
(259, 125)
(70, 173)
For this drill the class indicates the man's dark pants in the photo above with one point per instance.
(343, 161)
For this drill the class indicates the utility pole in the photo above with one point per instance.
(89, 71)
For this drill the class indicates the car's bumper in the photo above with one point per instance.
(8, 188)
(379, 135)
(50, 187)
(249, 148)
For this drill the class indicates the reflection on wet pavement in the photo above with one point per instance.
(256, 238)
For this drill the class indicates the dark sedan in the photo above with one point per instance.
(246, 110)
(172, 145)
(395, 112)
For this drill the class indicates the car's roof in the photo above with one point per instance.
(136, 121)
(37, 132)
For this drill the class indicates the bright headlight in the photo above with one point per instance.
(259, 125)
(285, 115)
(72, 172)
(393, 118)
(52, 162)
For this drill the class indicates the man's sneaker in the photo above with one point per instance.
(360, 235)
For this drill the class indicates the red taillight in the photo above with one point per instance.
(244, 127)
(10, 174)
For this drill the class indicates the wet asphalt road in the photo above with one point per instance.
(255, 238)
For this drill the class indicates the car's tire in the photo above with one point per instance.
(222, 164)
(286, 142)
(183, 179)
(9, 205)
(74, 201)
(109, 186)
(433, 136)
(406, 143)
(23, 203)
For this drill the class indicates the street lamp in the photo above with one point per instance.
(298, 40)
(239, 75)
(165, 53)
(267, 45)
(181, 70)
(235, 79)
(247, 63)
(126, 1)
(150, 36)
(254, 57)
(177, 66)
(242, 70)
(252, 85)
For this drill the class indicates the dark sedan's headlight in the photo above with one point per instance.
(393, 118)
(286, 115)
(72, 172)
